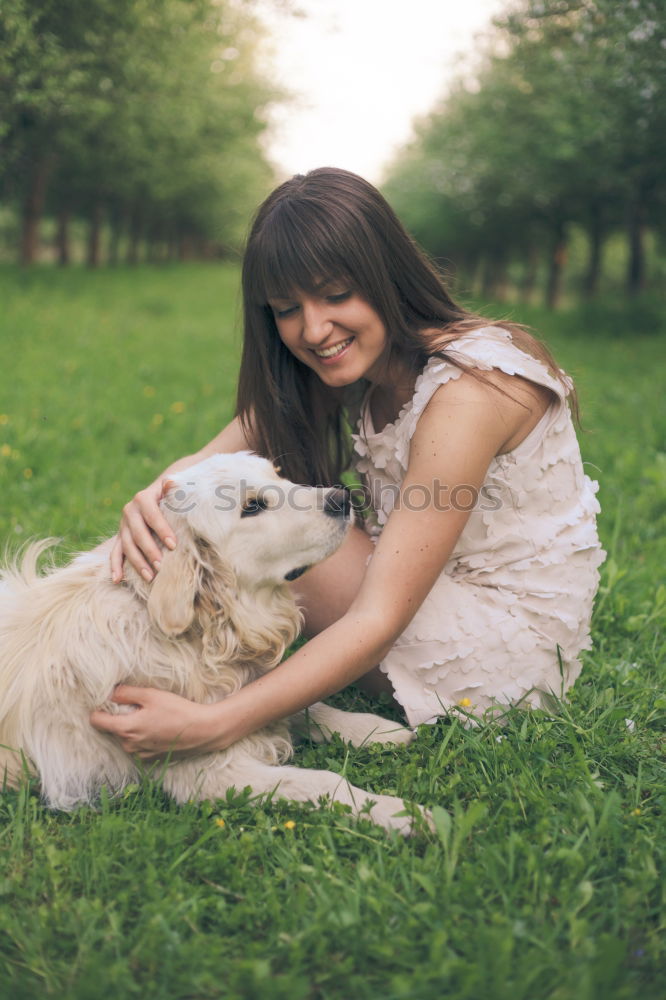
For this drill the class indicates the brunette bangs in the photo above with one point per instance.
(295, 249)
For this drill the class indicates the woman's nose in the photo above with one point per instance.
(316, 324)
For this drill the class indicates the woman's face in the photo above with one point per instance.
(335, 332)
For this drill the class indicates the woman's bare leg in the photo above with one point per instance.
(327, 590)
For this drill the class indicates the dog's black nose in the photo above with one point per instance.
(338, 502)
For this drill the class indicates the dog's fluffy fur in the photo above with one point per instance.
(218, 614)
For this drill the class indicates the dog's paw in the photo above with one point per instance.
(418, 821)
(393, 734)
(424, 820)
(357, 728)
(394, 814)
(363, 728)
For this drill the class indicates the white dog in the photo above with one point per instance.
(219, 614)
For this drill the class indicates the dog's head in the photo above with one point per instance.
(242, 531)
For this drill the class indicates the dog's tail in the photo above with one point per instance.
(18, 573)
(21, 570)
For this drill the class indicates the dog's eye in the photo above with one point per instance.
(253, 506)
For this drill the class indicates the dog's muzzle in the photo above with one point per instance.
(338, 502)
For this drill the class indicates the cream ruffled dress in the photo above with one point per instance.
(510, 612)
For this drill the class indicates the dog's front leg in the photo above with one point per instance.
(303, 785)
(210, 776)
(320, 721)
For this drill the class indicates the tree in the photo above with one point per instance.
(146, 112)
(562, 123)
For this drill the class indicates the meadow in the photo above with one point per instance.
(544, 877)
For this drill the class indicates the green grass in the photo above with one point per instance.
(545, 877)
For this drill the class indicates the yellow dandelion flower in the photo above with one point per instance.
(149, 391)
(289, 825)
(635, 812)
(4, 419)
(177, 407)
(157, 420)
(465, 702)
(220, 823)
(77, 423)
(6, 450)
(107, 501)
(27, 473)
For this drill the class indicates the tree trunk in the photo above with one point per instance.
(62, 237)
(134, 239)
(93, 257)
(33, 206)
(593, 273)
(501, 277)
(113, 249)
(636, 278)
(117, 220)
(487, 276)
(185, 248)
(151, 249)
(494, 277)
(467, 274)
(531, 268)
(558, 258)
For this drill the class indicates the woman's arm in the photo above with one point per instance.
(464, 426)
(142, 518)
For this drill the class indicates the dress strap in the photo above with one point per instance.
(486, 348)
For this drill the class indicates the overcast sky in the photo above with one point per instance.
(362, 69)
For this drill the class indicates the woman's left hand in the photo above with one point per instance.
(161, 724)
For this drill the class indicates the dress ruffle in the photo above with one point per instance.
(510, 613)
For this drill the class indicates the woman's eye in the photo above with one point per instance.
(339, 296)
(253, 507)
(281, 313)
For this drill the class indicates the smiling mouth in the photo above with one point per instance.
(331, 352)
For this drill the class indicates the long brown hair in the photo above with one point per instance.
(332, 225)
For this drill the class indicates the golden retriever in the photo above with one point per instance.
(219, 613)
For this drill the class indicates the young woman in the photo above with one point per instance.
(473, 582)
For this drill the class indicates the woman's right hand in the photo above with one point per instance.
(142, 521)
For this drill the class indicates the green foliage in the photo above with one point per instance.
(543, 877)
(563, 122)
(150, 110)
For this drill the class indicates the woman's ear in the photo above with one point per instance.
(171, 599)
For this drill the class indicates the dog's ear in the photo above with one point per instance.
(172, 593)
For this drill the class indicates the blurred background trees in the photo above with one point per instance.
(136, 125)
(141, 117)
(561, 129)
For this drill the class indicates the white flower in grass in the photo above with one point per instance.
(630, 724)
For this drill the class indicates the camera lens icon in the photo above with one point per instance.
(180, 501)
